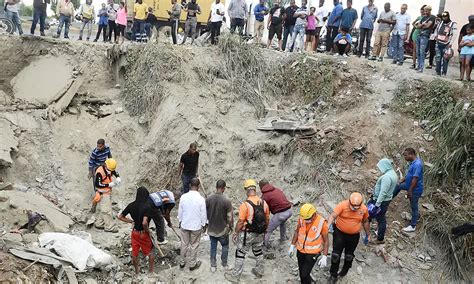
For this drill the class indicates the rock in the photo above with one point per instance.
(3, 199)
(142, 120)
(358, 162)
(73, 110)
(406, 216)
(30, 238)
(427, 258)
(373, 171)
(345, 177)
(431, 251)
(118, 110)
(117, 86)
(6, 186)
(13, 237)
(90, 281)
(429, 165)
(427, 137)
(428, 207)
(8, 143)
(359, 270)
(39, 180)
(400, 246)
(330, 129)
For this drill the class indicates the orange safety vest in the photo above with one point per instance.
(310, 242)
(106, 179)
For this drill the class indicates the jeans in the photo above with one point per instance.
(215, 31)
(64, 21)
(39, 14)
(421, 44)
(237, 23)
(342, 242)
(330, 36)
(306, 263)
(186, 179)
(365, 35)
(174, 30)
(440, 60)
(104, 35)
(415, 213)
(398, 49)
(224, 241)
(138, 29)
(86, 23)
(298, 30)
(381, 220)
(15, 18)
(148, 29)
(287, 30)
(278, 220)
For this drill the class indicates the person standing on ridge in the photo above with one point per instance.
(368, 17)
(188, 166)
(192, 9)
(310, 240)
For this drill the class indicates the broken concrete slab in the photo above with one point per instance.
(6, 186)
(34, 83)
(34, 202)
(60, 106)
(20, 119)
(278, 124)
(8, 143)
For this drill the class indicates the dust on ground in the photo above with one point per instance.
(188, 95)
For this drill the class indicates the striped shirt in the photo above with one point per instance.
(98, 158)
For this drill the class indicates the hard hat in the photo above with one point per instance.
(180, 30)
(307, 211)
(111, 164)
(356, 199)
(249, 183)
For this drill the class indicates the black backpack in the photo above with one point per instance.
(258, 224)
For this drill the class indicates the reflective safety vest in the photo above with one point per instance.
(106, 179)
(310, 242)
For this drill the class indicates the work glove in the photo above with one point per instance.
(118, 181)
(291, 251)
(323, 262)
(331, 228)
(112, 184)
(366, 240)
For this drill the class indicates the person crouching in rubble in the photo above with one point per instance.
(141, 235)
(103, 195)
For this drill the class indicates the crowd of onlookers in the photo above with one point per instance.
(396, 31)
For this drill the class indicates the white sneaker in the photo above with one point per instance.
(336, 55)
(409, 229)
(163, 242)
(345, 55)
(213, 269)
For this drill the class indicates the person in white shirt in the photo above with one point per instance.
(12, 10)
(192, 217)
(322, 15)
(216, 16)
(400, 33)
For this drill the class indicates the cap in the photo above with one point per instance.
(471, 18)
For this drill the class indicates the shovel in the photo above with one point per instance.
(176, 233)
(155, 244)
(202, 187)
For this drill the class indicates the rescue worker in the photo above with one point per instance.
(349, 216)
(104, 185)
(254, 216)
(161, 204)
(310, 239)
(141, 240)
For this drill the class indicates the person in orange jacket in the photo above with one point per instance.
(103, 196)
(311, 240)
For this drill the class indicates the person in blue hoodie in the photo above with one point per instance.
(103, 23)
(383, 194)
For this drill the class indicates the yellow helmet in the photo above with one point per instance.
(249, 183)
(111, 164)
(307, 211)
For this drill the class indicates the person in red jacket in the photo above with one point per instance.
(280, 208)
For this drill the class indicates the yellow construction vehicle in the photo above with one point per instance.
(160, 8)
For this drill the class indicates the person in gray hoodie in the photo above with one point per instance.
(383, 192)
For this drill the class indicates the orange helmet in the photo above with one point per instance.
(356, 199)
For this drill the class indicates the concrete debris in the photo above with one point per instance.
(6, 186)
(8, 143)
(278, 124)
(406, 216)
(427, 137)
(400, 246)
(421, 257)
(431, 252)
(118, 110)
(63, 102)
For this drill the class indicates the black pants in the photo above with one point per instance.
(341, 48)
(39, 14)
(102, 28)
(330, 36)
(174, 30)
(112, 28)
(305, 265)
(342, 242)
(237, 23)
(157, 217)
(365, 35)
(215, 31)
(432, 49)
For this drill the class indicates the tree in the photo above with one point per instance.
(26, 11)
